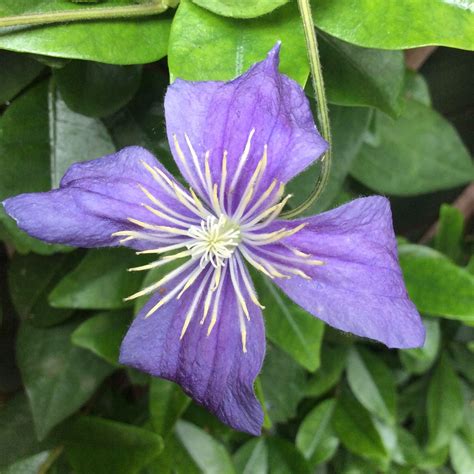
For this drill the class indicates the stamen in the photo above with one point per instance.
(250, 259)
(235, 282)
(216, 303)
(158, 213)
(173, 292)
(223, 180)
(241, 164)
(159, 263)
(207, 169)
(251, 186)
(168, 248)
(268, 238)
(167, 209)
(243, 331)
(163, 228)
(265, 196)
(161, 282)
(247, 283)
(195, 159)
(194, 303)
(269, 267)
(274, 212)
(182, 158)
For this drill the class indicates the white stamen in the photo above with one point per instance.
(216, 236)
(214, 240)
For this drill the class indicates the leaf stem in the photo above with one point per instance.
(323, 113)
(82, 14)
(51, 459)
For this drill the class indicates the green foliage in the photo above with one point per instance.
(96, 89)
(102, 334)
(204, 46)
(358, 76)
(436, 285)
(89, 441)
(397, 24)
(59, 377)
(16, 72)
(333, 403)
(422, 144)
(114, 42)
(88, 287)
(288, 326)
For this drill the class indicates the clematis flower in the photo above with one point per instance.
(236, 144)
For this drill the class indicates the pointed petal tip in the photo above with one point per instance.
(412, 339)
(273, 57)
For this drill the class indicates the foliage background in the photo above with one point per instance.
(333, 402)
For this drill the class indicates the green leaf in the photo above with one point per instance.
(73, 137)
(408, 450)
(29, 465)
(17, 434)
(174, 459)
(333, 364)
(100, 281)
(96, 89)
(444, 405)
(167, 403)
(104, 446)
(450, 232)
(356, 76)
(204, 46)
(267, 422)
(435, 284)
(291, 328)
(372, 383)
(348, 126)
(30, 279)
(16, 72)
(242, 8)
(117, 41)
(270, 455)
(43, 137)
(141, 121)
(462, 455)
(102, 334)
(397, 24)
(207, 453)
(24, 141)
(283, 382)
(315, 437)
(59, 377)
(356, 430)
(284, 458)
(252, 457)
(422, 144)
(418, 361)
(416, 88)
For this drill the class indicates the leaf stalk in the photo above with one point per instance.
(85, 14)
(322, 107)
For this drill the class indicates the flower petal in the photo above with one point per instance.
(95, 199)
(360, 287)
(218, 116)
(212, 369)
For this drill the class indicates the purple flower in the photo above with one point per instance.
(236, 144)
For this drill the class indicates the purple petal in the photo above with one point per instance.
(212, 369)
(218, 116)
(95, 199)
(360, 287)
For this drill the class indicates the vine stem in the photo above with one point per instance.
(323, 113)
(86, 13)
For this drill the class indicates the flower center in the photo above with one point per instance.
(214, 240)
